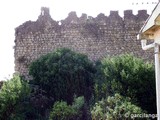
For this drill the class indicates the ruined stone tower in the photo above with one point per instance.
(96, 37)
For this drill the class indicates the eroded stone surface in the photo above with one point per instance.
(96, 37)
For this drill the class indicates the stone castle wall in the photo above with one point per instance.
(96, 37)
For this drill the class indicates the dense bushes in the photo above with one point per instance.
(1, 83)
(12, 93)
(63, 74)
(63, 111)
(128, 76)
(114, 108)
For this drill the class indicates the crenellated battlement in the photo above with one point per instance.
(73, 19)
(45, 11)
(94, 36)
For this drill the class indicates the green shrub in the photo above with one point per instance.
(36, 106)
(114, 108)
(129, 76)
(12, 93)
(63, 74)
(1, 83)
(63, 111)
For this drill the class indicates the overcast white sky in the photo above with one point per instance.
(16, 12)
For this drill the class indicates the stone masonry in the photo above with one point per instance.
(98, 37)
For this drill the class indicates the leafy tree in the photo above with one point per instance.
(12, 93)
(1, 83)
(63, 74)
(63, 111)
(36, 106)
(114, 108)
(129, 76)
